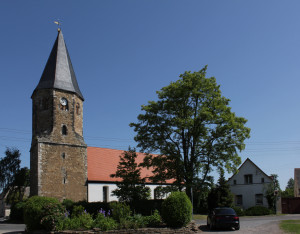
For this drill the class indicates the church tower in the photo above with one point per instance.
(58, 154)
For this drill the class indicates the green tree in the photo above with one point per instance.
(9, 167)
(289, 189)
(132, 187)
(194, 130)
(220, 196)
(17, 189)
(272, 192)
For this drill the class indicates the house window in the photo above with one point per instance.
(259, 199)
(64, 130)
(262, 180)
(234, 182)
(105, 193)
(248, 179)
(239, 200)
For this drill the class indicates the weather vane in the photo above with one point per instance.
(58, 22)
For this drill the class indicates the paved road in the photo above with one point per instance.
(10, 228)
(249, 225)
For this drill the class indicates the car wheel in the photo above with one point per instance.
(237, 228)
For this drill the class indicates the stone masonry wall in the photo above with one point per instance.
(58, 157)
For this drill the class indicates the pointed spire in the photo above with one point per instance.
(58, 72)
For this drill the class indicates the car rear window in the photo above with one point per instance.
(225, 211)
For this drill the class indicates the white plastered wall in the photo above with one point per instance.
(95, 191)
(248, 191)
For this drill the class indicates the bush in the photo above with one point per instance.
(257, 211)
(146, 207)
(68, 204)
(238, 210)
(81, 222)
(17, 212)
(153, 220)
(77, 211)
(42, 213)
(177, 210)
(92, 207)
(105, 223)
(120, 211)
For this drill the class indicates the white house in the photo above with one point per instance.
(249, 185)
(102, 162)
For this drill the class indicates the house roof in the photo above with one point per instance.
(58, 72)
(102, 162)
(248, 160)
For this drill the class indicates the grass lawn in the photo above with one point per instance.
(198, 216)
(290, 226)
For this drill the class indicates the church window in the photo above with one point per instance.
(262, 180)
(64, 130)
(234, 182)
(78, 109)
(105, 193)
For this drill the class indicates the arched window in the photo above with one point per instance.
(64, 130)
(63, 155)
(78, 109)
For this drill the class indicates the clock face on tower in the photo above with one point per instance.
(63, 101)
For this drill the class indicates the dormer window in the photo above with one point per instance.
(64, 130)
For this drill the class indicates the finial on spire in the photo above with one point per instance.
(58, 22)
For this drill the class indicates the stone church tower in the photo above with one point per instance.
(58, 154)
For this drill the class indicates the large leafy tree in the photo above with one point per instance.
(9, 167)
(132, 187)
(193, 128)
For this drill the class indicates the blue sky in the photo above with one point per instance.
(123, 51)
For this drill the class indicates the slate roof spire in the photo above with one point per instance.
(58, 72)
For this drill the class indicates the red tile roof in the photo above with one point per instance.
(103, 162)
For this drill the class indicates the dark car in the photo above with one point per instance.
(223, 217)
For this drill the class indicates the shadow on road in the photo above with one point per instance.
(204, 228)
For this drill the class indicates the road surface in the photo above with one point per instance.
(257, 224)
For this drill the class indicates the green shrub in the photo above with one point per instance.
(68, 204)
(36, 208)
(146, 207)
(133, 222)
(239, 211)
(105, 223)
(92, 207)
(257, 211)
(77, 211)
(153, 220)
(120, 211)
(177, 210)
(83, 221)
(17, 212)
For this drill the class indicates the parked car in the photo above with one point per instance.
(223, 217)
